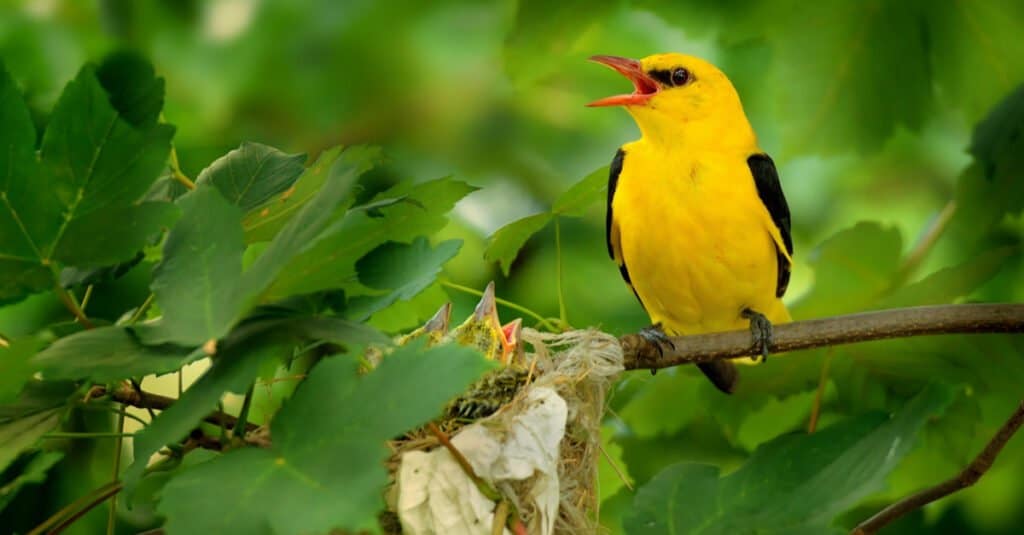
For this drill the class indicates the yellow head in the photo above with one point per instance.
(680, 99)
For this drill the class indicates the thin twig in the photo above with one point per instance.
(138, 388)
(931, 235)
(485, 488)
(69, 303)
(563, 316)
(639, 353)
(112, 515)
(504, 302)
(149, 400)
(967, 477)
(812, 424)
(71, 508)
(177, 173)
(112, 491)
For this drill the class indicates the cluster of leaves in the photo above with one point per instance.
(262, 264)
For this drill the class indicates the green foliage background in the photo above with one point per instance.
(884, 118)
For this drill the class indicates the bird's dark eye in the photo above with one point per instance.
(680, 76)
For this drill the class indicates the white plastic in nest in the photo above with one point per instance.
(435, 496)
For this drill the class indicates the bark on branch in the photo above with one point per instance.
(639, 353)
(147, 400)
(967, 477)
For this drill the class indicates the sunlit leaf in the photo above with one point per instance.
(263, 224)
(506, 242)
(795, 484)
(304, 228)
(325, 469)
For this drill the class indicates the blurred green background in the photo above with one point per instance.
(867, 107)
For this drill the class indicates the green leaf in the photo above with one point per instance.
(506, 242)
(91, 160)
(838, 56)
(108, 354)
(405, 269)
(22, 433)
(949, 284)
(90, 240)
(252, 174)
(95, 158)
(135, 91)
(263, 225)
(305, 227)
(794, 484)
(27, 212)
(645, 414)
(991, 188)
(33, 472)
(582, 195)
(233, 371)
(325, 469)
(15, 367)
(196, 282)
(851, 270)
(331, 262)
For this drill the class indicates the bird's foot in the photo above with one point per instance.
(655, 335)
(760, 329)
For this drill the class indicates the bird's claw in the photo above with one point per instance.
(761, 330)
(657, 337)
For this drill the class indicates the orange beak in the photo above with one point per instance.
(644, 87)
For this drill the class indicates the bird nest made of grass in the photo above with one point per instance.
(517, 453)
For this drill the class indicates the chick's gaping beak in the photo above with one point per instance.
(643, 86)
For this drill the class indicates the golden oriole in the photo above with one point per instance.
(697, 221)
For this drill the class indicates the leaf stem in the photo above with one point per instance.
(118, 444)
(176, 170)
(86, 297)
(243, 414)
(812, 425)
(562, 314)
(97, 434)
(74, 510)
(141, 311)
(503, 302)
(72, 305)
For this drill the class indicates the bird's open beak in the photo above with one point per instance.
(643, 86)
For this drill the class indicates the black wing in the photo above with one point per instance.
(766, 178)
(611, 230)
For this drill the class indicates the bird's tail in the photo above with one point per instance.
(722, 373)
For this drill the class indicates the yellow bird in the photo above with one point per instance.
(697, 220)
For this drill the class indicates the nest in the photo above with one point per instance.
(531, 430)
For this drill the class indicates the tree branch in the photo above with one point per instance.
(147, 400)
(967, 477)
(639, 353)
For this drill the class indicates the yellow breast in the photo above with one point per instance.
(693, 235)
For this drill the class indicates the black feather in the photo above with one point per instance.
(769, 189)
